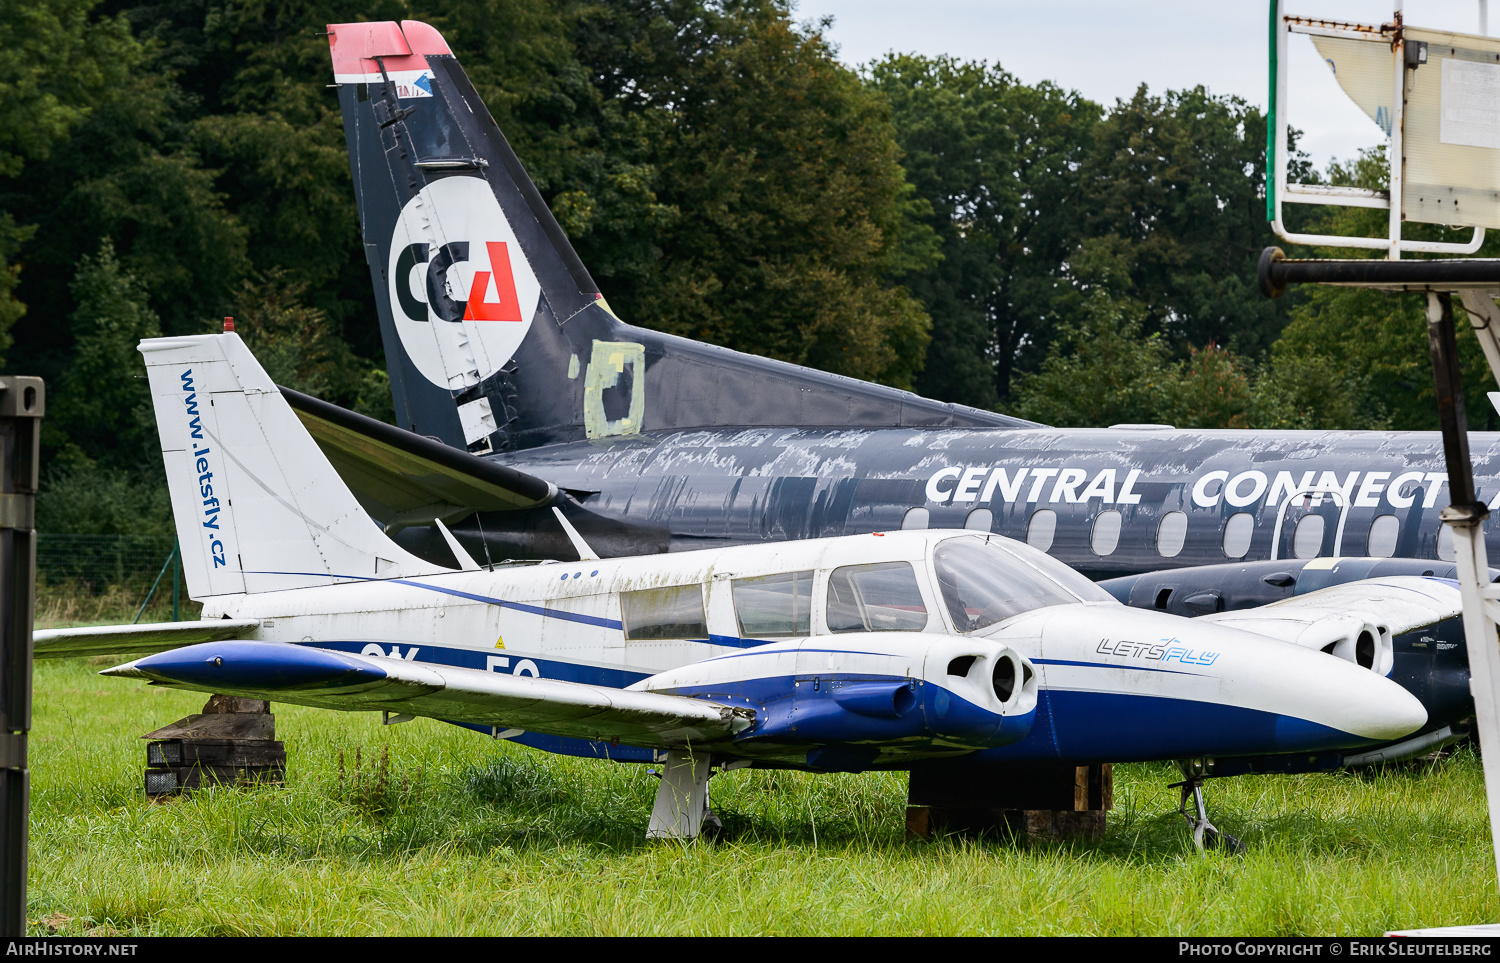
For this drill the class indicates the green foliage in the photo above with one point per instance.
(1023, 180)
(1181, 178)
(789, 209)
(1104, 371)
(996, 162)
(100, 444)
(54, 63)
(296, 344)
(102, 405)
(723, 176)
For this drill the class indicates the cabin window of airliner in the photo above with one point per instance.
(1383, 532)
(1445, 544)
(915, 518)
(980, 520)
(1237, 532)
(1307, 540)
(774, 604)
(664, 613)
(1106, 534)
(1171, 534)
(882, 597)
(1041, 529)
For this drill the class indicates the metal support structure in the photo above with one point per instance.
(1465, 517)
(1277, 271)
(1477, 282)
(682, 805)
(1279, 191)
(22, 401)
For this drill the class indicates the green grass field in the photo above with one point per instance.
(425, 828)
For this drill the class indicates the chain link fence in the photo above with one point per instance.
(101, 577)
(95, 563)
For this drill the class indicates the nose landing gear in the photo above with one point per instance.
(1205, 834)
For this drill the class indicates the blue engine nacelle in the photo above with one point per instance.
(885, 692)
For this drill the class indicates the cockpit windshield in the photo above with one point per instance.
(984, 581)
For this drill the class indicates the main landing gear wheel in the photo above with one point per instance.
(1205, 834)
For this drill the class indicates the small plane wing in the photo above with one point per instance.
(135, 639)
(304, 675)
(402, 478)
(1333, 618)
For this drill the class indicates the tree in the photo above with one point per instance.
(997, 163)
(100, 446)
(789, 209)
(1182, 179)
(1103, 370)
(54, 63)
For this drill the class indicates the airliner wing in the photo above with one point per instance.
(135, 639)
(303, 675)
(403, 478)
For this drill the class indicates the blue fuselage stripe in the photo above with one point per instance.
(1110, 665)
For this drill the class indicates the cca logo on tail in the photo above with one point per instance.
(461, 291)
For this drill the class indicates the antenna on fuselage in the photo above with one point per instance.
(585, 554)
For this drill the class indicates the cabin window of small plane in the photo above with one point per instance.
(980, 520)
(982, 584)
(915, 518)
(1445, 544)
(1171, 534)
(664, 613)
(1307, 540)
(1237, 532)
(882, 597)
(1042, 527)
(1106, 534)
(1383, 532)
(774, 605)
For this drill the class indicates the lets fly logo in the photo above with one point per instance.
(462, 293)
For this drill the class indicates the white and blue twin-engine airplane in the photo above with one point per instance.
(871, 651)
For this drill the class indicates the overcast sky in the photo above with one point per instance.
(1104, 50)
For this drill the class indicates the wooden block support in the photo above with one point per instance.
(231, 743)
(1033, 801)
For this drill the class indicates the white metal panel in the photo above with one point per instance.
(1452, 132)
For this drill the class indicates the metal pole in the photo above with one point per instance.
(176, 577)
(22, 401)
(1396, 149)
(1465, 517)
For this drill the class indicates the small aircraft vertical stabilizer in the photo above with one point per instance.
(258, 506)
(496, 336)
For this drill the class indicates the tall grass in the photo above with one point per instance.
(424, 828)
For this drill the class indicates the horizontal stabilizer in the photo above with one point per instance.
(304, 675)
(135, 639)
(403, 478)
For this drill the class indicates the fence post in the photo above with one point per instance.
(22, 401)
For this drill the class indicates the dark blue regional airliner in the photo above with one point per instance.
(516, 389)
